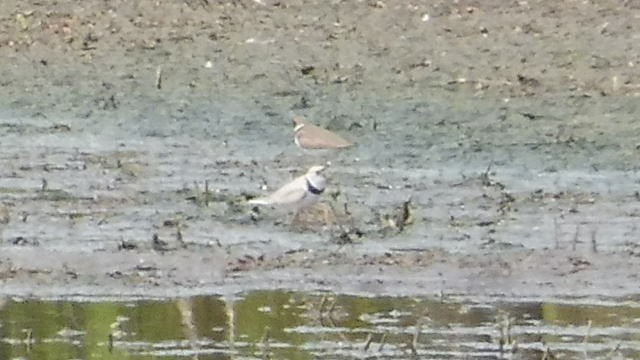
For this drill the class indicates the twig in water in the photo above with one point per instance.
(110, 343)
(547, 354)
(332, 308)
(179, 235)
(368, 342)
(586, 339)
(508, 326)
(403, 217)
(346, 209)
(206, 193)
(576, 237)
(382, 340)
(556, 232)
(514, 347)
(484, 177)
(501, 341)
(159, 78)
(266, 348)
(323, 301)
(414, 342)
(594, 245)
(615, 349)
(29, 339)
(266, 335)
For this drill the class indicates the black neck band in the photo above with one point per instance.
(312, 189)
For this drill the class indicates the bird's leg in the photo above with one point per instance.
(297, 223)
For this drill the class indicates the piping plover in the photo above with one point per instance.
(299, 193)
(310, 136)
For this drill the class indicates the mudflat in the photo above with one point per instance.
(497, 147)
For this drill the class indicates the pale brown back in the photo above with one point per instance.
(310, 136)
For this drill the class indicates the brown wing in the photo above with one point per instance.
(314, 137)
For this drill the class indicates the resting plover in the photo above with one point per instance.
(299, 193)
(310, 136)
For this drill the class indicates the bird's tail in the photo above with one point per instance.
(259, 201)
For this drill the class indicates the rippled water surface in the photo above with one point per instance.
(286, 325)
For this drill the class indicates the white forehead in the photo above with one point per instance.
(316, 168)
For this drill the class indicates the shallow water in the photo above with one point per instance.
(523, 179)
(74, 189)
(295, 325)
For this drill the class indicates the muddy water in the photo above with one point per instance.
(88, 188)
(276, 324)
(86, 203)
(516, 141)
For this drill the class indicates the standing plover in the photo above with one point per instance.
(299, 193)
(310, 136)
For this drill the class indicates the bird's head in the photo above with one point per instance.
(298, 122)
(316, 169)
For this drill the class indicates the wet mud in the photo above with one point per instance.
(496, 153)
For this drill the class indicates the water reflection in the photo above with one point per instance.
(292, 325)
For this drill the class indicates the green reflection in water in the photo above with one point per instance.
(293, 325)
